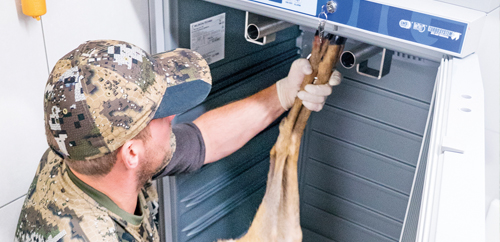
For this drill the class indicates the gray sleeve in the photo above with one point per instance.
(189, 154)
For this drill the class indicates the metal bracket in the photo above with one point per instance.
(262, 30)
(385, 66)
(359, 56)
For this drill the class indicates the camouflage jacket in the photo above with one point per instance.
(60, 207)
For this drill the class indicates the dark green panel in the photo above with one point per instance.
(220, 199)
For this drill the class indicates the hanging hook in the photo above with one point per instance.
(322, 16)
(322, 22)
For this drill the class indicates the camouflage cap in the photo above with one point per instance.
(105, 92)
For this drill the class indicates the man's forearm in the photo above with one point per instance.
(228, 128)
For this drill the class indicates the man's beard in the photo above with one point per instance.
(147, 170)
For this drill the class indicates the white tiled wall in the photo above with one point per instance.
(29, 49)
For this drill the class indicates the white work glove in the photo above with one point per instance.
(314, 96)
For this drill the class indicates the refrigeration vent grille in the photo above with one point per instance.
(410, 58)
(409, 233)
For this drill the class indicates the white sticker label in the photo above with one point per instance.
(207, 37)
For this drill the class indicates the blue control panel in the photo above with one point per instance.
(391, 21)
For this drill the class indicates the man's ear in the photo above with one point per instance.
(131, 152)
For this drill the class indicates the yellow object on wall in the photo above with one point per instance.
(34, 8)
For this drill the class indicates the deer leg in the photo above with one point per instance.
(278, 216)
(265, 224)
(289, 218)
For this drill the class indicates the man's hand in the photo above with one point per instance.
(228, 128)
(314, 96)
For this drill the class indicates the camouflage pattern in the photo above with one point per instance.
(104, 93)
(56, 209)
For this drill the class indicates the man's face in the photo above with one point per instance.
(159, 148)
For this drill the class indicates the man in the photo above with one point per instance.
(108, 112)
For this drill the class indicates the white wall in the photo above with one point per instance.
(489, 61)
(29, 50)
(481, 5)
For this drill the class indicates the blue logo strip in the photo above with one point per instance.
(400, 23)
(403, 24)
